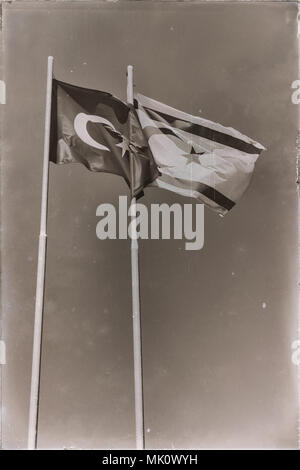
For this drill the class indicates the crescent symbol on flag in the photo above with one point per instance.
(80, 126)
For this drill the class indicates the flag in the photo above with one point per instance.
(197, 157)
(92, 127)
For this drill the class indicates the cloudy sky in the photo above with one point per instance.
(218, 323)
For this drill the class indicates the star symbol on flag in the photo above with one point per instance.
(124, 145)
(192, 156)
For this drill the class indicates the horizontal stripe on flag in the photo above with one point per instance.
(201, 188)
(187, 192)
(202, 144)
(210, 134)
(189, 118)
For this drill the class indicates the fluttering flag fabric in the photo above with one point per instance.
(197, 157)
(151, 144)
(92, 127)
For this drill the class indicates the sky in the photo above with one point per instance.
(218, 323)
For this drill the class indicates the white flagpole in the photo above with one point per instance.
(40, 283)
(135, 286)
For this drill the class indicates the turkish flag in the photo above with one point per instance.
(92, 127)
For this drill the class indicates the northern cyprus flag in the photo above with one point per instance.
(197, 157)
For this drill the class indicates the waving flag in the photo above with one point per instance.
(92, 127)
(169, 149)
(197, 157)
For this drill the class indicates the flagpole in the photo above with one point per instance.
(40, 282)
(136, 319)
